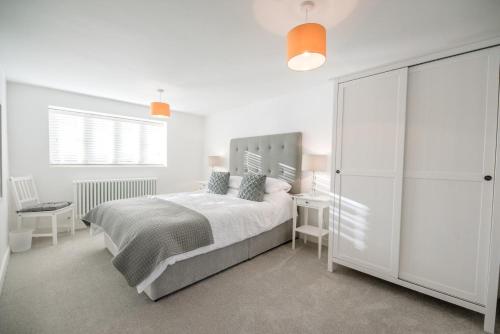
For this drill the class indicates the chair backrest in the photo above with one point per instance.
(25, 193)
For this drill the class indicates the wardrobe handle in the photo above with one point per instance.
(337, 171)
(488, 177)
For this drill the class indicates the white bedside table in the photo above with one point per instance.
(309, 201)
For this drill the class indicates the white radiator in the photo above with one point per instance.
(88, 194)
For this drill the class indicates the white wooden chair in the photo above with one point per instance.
(28, 206)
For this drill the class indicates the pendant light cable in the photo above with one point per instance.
(307, 5)
(160, 91)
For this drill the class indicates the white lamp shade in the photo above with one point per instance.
(214, 161)
(314, 162)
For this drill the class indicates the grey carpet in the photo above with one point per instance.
(73, 288)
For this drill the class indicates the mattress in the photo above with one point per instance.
(232, 220)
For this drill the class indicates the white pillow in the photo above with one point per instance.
(235, 181)
(232, 192)
(274, 185)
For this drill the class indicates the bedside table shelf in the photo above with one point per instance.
(313, 231)
(309, 201)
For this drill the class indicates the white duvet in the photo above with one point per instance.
(232, 220)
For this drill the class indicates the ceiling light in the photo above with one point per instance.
(306, 44)
(160, 109)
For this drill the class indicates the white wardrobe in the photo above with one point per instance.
(415, 150)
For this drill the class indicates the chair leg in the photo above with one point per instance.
(306, 221)
(319, 246)
(320, 225)
(73, 221)
(54, 230)
(19, 221)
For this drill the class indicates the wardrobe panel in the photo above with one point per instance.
(369, 133)
(367, 221)
(448, 172)
(440, 247)
(368, 182)
(446, 116)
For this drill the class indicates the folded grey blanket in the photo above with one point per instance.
(148, 231)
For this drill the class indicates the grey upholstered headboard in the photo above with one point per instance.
(278, 156)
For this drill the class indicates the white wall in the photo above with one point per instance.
(4, 250)
(309, 112)
(29, 145)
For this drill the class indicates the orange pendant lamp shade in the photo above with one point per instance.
(160, 109)
(306, 47)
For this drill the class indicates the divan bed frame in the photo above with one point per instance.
(277, 156)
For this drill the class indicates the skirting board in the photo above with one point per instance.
(3, 267)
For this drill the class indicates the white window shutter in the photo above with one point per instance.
(87, 138)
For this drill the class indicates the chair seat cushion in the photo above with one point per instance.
(49, 206)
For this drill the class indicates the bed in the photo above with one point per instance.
(241, 229)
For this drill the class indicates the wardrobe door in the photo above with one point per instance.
(448, 174)
(369, 157)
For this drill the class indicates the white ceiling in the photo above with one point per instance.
(219, 54)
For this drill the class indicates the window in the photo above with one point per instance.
(87, 138)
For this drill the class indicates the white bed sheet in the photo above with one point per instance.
(232, 220)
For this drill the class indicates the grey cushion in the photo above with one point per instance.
(49, 206)
(253, 187)
(218, 183)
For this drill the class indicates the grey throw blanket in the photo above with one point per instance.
(148, 231)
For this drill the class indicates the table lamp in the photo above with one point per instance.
(214, 161)
(314, 163)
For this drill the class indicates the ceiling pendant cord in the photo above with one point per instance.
(306, 6)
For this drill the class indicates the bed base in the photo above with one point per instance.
(189, 271)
